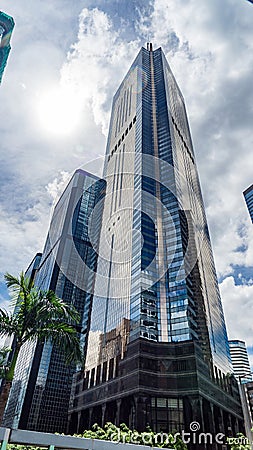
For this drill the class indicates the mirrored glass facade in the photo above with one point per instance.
(157, 332)
(40, 395)
(154, 230)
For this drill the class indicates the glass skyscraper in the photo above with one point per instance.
(248, 195)
(158, 350)
(6, 28)
(39, 396)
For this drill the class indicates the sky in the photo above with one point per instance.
(66, 63)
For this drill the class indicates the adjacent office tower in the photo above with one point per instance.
(158, 351)
(242, 371)
(6, 28)
(240, 361)
(41, 387)
(248, 195)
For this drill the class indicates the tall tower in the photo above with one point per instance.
(6, 28)
(40, 392)
(158, 351)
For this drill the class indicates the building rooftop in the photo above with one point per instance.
(250, 188)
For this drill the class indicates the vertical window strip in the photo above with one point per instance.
(122, 168)
(120, 115)
(113, 184)
(130, 100)
(117, 184)
(108, 290)
(123, 110)
(117, 121)
(127, 97)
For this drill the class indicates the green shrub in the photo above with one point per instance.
(122, 434)
(239, 443)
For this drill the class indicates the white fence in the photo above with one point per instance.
(54, 441)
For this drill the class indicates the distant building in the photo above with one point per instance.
(248, 195)
(242, 371)
(6, 28)
(41, 388)
(240, 361)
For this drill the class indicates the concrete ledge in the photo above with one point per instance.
(47, 439)
(64, 442)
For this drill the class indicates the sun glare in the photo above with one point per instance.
(58, 111)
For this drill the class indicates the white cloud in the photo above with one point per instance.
(57, 186)
(97, 62)
(22, 234)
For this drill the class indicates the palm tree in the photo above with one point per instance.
(38, 315)
(4, 352)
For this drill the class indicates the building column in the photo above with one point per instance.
(197, 412)
(78, 422)
(133, 423)
(202, 425)
(118, 403)
(212, 428)
(236, 425)
(229, 426)
(221, 421)
(90, 417)
(103, 415)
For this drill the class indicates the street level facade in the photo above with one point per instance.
(158, 351)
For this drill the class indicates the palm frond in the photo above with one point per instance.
(41, 315)
(8, 324)
(19, 287)
(56, 308)
(65, 337)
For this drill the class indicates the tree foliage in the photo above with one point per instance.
(4, 366)
(123, 434)
(240, 442)
(39, 315)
